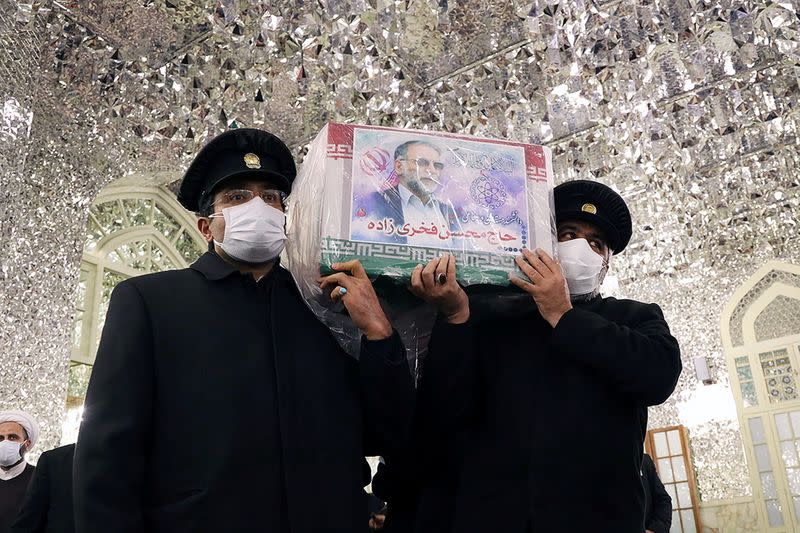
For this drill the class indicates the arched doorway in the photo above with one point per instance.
(130, 231)
(761, 336)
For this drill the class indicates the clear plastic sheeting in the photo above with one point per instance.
(394, 199)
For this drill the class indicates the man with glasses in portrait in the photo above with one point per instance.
(412, 205)
(218, 401)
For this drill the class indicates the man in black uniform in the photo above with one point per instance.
(48, 504)
(218, 402)
(549, 394)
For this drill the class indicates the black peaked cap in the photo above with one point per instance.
(243, 152)
(597, 204)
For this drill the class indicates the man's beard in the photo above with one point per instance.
(417, 187)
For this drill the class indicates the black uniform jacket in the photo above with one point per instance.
(658, 504)
(418, 483)
(550, 421)
(218, 403)
(48, 504)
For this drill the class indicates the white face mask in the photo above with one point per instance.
(9, 452)
(254, 231)
(583, 267)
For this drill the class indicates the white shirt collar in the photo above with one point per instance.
(407, 197)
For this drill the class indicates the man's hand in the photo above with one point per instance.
(548, 286)
(359, 298)
(436, 284)
(377, 521)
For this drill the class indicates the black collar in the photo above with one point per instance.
(588, 301)
(213, 267)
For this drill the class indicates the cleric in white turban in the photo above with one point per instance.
(18, 433)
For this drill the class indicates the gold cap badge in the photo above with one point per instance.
(589, 208)
(252, 161)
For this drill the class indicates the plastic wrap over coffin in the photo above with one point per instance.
(396, 198)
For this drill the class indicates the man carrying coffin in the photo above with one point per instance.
(549, 399)
(218, 402)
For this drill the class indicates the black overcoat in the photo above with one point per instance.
(48, 504)
(550, 421)
(658, 504)
(218, 403)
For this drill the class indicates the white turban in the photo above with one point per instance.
(25, 420)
